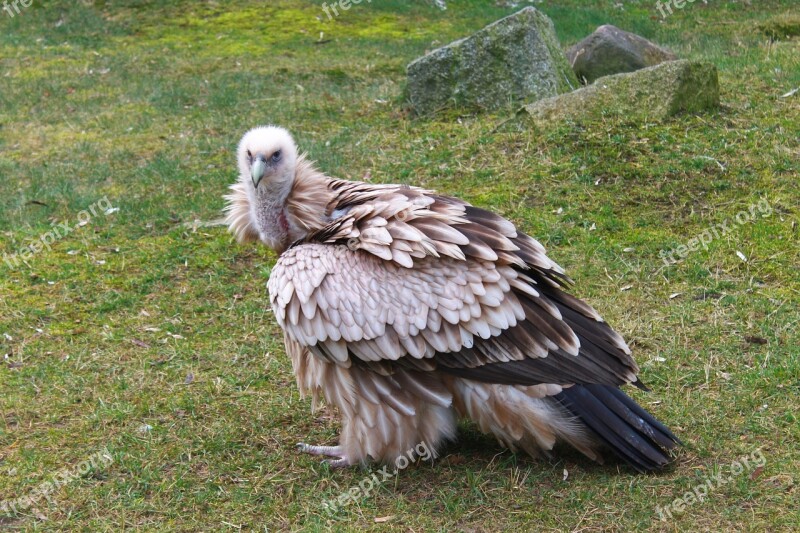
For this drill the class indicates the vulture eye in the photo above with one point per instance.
(249, 155)
(276, 156)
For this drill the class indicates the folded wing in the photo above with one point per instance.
(404, 278)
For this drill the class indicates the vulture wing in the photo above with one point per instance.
(402, 277)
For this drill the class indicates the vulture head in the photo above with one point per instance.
(267, 160)
(267, 157)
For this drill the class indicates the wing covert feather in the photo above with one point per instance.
(403, 278)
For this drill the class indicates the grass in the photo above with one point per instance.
(146, 333)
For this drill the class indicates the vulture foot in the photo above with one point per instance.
(338, 460)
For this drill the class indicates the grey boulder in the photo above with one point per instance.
(516, 59)
(651, 94)
(610, 50)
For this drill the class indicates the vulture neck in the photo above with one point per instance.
(273, 224)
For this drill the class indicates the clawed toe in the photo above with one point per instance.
(329, 451)
(338, 460)
(337, 463)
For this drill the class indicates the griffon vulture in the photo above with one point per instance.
(407, 309)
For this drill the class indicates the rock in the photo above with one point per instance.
(781, 26)
(653, 93)
(517, 58)
(610, 50)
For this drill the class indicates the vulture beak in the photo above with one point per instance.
(258, 169)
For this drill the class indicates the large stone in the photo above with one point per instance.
(610, 50)
(516, 59)
(650, 94)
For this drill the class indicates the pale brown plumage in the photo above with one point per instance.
(407, 310)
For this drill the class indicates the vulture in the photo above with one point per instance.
(409, 310)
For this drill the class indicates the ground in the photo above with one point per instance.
(144, 372)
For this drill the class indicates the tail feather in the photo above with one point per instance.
(655, 429)
(627, 429)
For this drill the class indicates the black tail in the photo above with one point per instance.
(631, 432)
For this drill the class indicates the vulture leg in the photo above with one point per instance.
(383, 417)
(329, 451)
